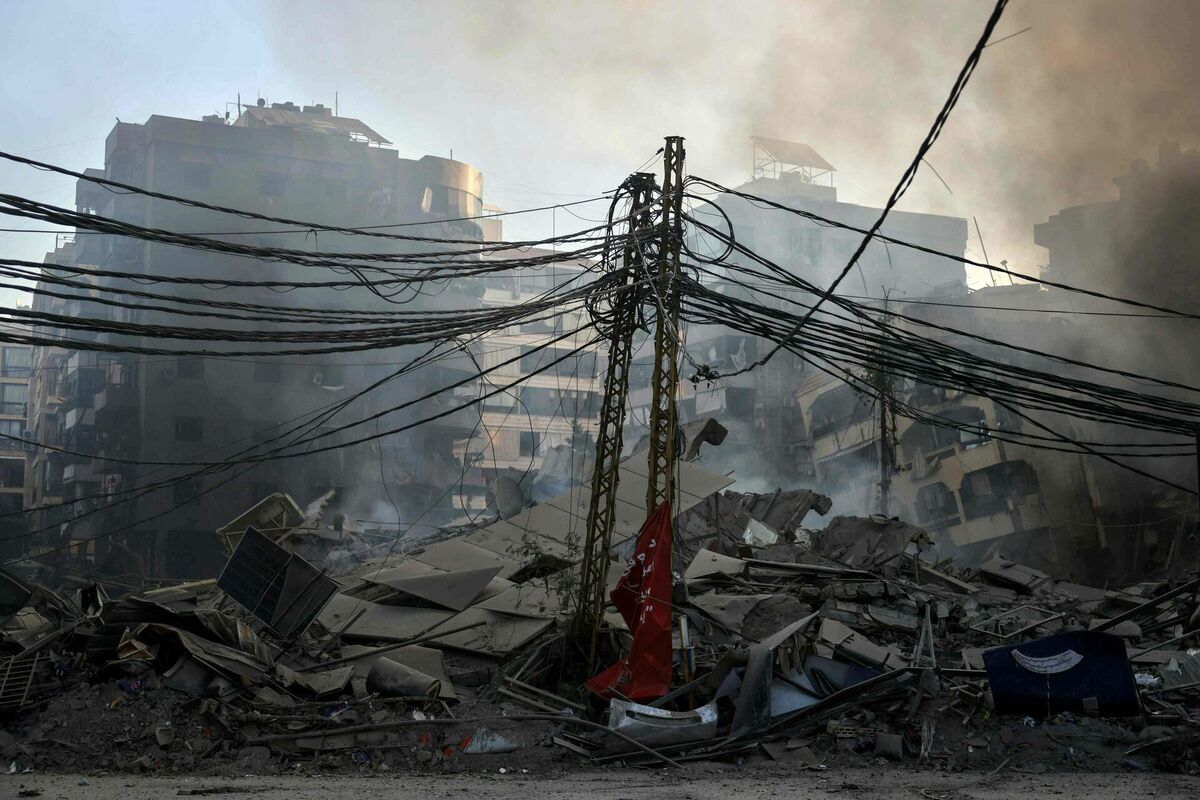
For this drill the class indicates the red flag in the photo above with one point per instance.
(643, 596)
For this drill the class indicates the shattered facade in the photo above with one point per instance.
(1078, 516)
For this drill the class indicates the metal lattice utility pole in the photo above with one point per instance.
(887, 430)
(593, 573)
(664, 418)
(886, 454)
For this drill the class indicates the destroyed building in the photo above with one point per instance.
(280, 160)
(819, 649)
(979, 493)
(959, 474)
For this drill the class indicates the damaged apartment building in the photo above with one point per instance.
(279, 160)
(979, 494)
(539, 436)
(984, 494)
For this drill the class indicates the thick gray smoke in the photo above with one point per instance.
(569, 98)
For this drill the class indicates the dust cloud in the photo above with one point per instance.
(571, 97)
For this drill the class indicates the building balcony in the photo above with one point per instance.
(113, 398)
(851, 437)
(1022, 513)
(117, 446)
(458, 423)
(80, 471)
(79, 416)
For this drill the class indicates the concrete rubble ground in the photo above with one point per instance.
(857, 644)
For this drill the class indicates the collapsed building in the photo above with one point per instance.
(812, 647)
(1067, 513)
(303, 639)
(1071, 514)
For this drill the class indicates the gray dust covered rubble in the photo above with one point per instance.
(861, 643)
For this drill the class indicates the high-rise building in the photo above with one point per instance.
(15, 362)
(557, 406)
(131, 411)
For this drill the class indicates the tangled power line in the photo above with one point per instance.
(185, 309)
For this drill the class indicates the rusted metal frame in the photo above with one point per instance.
(664, 419)
(602, 501)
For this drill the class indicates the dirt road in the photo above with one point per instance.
(700, 782)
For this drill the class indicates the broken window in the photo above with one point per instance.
(1006, 420)
(1022, 478)
(189, 429)
(936, 503)
(973, 430)
(837, 409)
(987, 491)
(12, 473)
(924, 395)
(964, 425)
(842, 470)
(929, 438)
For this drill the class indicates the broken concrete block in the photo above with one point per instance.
(486, 740)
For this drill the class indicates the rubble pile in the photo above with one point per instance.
(815, 648)
(878, 645)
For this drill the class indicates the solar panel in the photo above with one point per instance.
(279, 588)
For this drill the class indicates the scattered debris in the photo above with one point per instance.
(811, 647)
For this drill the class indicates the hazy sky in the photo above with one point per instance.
(557, 100)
